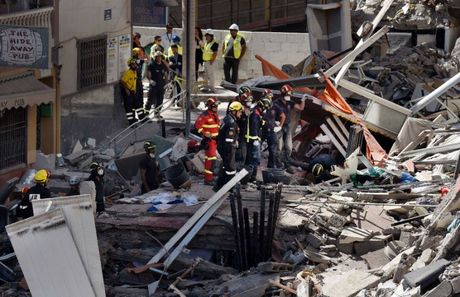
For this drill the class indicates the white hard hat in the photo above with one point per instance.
(234, 27)
(209, 32)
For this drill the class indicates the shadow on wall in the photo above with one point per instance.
(96, 114)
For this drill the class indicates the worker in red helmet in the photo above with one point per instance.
(284, 132)
(207, 125)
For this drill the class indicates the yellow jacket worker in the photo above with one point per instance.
(128, 90)
(233, 50)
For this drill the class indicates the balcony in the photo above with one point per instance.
(40, 17)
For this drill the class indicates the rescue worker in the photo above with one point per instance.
(97, 176)
(227, 144)
(157, 46)
(233, 50)
(40, 191)
(175, 60)
(319, 167)
(176, 42)
(128, 90)
(285, 104)
(269, 129)
(242, 152)
(74, 183)
(149, 169)
(210, 49)
(24, 209)
(207, 124)
(137, 55)
(156, 74)
(253, 137)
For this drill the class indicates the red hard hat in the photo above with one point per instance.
(212, 101)
(286, 89)
(191, 144)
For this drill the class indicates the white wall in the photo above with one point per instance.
(276, 47)
(83, 19)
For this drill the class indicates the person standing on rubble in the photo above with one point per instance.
(233, 50)
(97, 176)
(269, 129)
(39, 191)
(207, 125)
(156, 74)
(128, 90)
(74, 183)
(253, 137)
(149, 169)
(285, 104)
(227, 144)
(209, 48)
(137, 55)
(245, 98)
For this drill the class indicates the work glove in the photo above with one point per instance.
(256, 143)
(277, 129)
(304, 97)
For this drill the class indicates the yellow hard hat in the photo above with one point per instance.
(41, 176)
(131, 61)
(136, 51)
(235, 106)
(317, 169)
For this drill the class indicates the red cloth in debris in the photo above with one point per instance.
(374, 152)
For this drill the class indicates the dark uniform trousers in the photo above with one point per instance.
(232, 65)
(155, 96)
(139, 97)
(128, 103)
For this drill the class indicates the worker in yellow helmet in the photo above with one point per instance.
(39, 191)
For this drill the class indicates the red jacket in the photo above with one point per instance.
(208, 124)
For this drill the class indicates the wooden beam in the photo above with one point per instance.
(342, 126)
(333, 140)
(337, 132)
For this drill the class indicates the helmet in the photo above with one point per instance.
(136, 51)
(267, 93)
(175, 39)
(244, 90)
(209, 32)
(41, 176)
(235, 106)
(265, 103)
(192, 144)
(157, 53)
(74, 180)
(211, 102)
(94, 166)
(131, 61)
(286, 89)
(246, 99)
(317, 169)
(148, 146)
(234, 27)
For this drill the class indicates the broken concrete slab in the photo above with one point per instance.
(349, 283)
(375, 259)
(74, 158)
(444, 289)
(246, 286)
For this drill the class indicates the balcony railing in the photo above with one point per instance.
(40, 17)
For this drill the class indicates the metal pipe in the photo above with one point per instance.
(262, 224)
(436, 93)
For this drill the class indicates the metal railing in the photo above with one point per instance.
(133, 128)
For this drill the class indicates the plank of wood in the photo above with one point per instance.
(342, 126)
(432, 150)
(337, 132)
(333, 140)
(197, 215)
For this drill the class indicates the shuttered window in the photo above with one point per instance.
(13, 137)
(92, 62)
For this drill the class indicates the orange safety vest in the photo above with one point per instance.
(208, 124)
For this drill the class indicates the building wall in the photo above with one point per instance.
(277, 47)
(84, 19)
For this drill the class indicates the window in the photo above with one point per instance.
(13, 141)
(91, 62)
(12, 6)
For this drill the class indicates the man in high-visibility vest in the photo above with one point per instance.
(210, 49)
(207, 125)
(128, 90)
(233, 51)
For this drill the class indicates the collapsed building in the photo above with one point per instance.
(385, 224)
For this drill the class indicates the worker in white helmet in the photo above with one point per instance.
(233, 51)
(210, 49)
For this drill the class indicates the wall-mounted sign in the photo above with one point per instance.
(24, 47)
(107, 14)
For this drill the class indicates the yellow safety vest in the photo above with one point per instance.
(179, 51)
(236, 45)
(207, 52)
(129, 78)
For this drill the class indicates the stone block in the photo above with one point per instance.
(444, 289)
(425, 276)
(349, 283)
(427, 255)
(375, 259)
(365, 247)
(315, 240)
